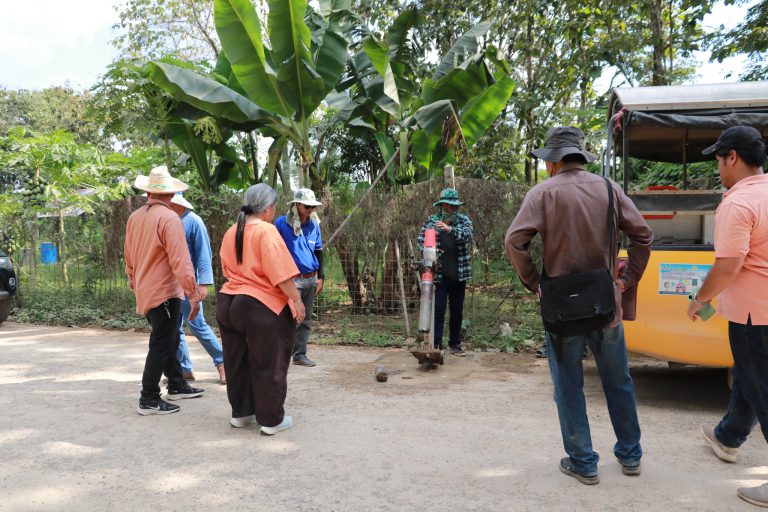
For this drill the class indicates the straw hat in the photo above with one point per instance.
(179, 199)
(159, 181)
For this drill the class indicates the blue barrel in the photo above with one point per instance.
(49, 253)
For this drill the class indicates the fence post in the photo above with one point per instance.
(402, 290)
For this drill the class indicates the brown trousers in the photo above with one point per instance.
(257, 351)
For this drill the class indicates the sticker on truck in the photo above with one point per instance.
(681, 278)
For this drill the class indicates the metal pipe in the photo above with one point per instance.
(625, 150)
(685, 159)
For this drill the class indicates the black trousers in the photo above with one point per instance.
(163, 344)
(749, 397)
(449, 293)
(257, 347)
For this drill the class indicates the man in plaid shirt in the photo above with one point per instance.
(454, 240)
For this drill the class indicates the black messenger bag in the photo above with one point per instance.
(581, 302)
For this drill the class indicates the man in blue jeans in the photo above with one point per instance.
(562, 210)
(200, 251)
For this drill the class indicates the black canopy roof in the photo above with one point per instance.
(662, 121)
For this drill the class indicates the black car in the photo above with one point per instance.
(8, 285)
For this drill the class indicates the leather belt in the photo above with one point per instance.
(307, 276)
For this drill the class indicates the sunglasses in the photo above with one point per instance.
(307, 207)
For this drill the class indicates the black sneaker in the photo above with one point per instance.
(456, 350)
(156, 406)
(186, 392)
(566, 467)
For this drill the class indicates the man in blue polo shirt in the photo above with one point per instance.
(305, 243)
(200, 251)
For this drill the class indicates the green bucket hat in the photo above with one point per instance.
(449, 196)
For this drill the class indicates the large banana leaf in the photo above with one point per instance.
(327, 7)
(300, 84)
(374, 91)
(423, 147)
(230, 161)
(466, 45)
(379, 56)
(184, 137)
(461, 83)
(431, 117)
(398, 33)
(239, 30)
(331, 59)
(387, 149)
(482, 110)
(207, 94)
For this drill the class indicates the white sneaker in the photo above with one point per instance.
(243, 421)
(724, 453)
(284, 425)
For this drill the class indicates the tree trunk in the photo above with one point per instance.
(390, 294)
(351, 269)
(33, 234)
(658, 74)
(60, 236)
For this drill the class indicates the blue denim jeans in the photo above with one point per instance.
(203, 332)
(567, 372)
(749, 398)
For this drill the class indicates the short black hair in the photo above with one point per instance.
(754, 157)
(574, 157)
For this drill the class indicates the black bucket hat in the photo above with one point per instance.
(743, 138)
(562, 141)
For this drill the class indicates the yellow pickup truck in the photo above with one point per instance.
(674, 124)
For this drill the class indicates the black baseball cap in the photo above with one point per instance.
(743, 138)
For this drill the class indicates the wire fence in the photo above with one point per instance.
(371, 268)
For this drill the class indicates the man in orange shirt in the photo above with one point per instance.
(160, 273)
(739, 278)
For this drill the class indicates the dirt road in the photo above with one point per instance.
(478, 434)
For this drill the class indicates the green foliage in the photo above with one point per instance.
(274, 84)
(749, 37)
(51, 110)
(150, 29)
(73, 307)
(700, 175)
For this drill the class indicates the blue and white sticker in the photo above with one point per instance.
(681, 278)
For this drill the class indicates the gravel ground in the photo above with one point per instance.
(478, 434)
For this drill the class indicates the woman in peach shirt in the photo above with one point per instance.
(257, 310)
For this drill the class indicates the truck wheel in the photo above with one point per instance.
(5, 309)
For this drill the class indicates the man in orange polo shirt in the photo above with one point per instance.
(160, 273)
(739, 278)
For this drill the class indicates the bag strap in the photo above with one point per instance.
(611, 226)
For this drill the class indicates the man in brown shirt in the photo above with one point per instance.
(569, 211)
(160, 272)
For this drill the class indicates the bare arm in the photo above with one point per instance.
(292, 292)
(722, 273)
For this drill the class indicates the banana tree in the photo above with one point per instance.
(421, 120)
(269, 78)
